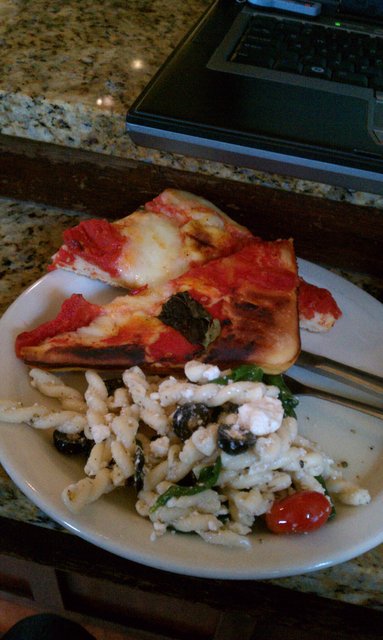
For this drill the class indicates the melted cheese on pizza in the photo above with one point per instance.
(153, 252)
(152, 245)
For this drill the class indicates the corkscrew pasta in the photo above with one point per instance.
(203, 456)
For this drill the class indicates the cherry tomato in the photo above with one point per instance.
(299, 513)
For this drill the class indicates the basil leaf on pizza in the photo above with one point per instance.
(188, 316)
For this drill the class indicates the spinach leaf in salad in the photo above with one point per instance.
(253, 373)
(289, 401)
(207, 479)
(245, 372)
(322, 482)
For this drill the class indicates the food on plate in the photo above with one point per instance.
(156, 243)
(212, 452)
(234, 309)
(318, 311)
(162, 240)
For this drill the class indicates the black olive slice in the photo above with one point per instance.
(233, 440)
(189, 417)
(112, 384)
(223, 410)
(71, 443)
(139, 463)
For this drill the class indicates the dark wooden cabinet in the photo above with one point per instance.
(57, 571)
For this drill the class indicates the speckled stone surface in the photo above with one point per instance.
(29, 235)
(71, 69)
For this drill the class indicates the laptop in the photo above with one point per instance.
(293, 87)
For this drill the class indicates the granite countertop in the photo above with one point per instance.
(71, 69)
(31, 233)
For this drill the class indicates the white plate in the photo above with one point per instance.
(111, 523)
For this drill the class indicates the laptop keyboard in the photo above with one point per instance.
(312, 50)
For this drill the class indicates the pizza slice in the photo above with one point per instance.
(162, 240)
(241, 308)
(156, 243)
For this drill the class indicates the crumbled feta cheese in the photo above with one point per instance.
(261, 417)
(205, 439)
(159, 528)
(160, 447)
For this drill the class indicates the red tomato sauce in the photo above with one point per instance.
(171, 345)
(227, 274)
(159, 205)
(314, 299)
(276, 280)
(97, 241)
(75, 312)
(138, 330)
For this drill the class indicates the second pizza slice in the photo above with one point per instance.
(231, 310)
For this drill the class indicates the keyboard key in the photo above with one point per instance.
(289, 66)
(373, 72)
(317, 72)
(376, 83)
(302, 47)
(259, 37)
(249, 47)
(259, 59)
(315, 61)
(259, 30)
(355, 79)
(290, 27)
(342, 66)
(362, 65)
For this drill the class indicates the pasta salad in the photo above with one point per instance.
(211, 452)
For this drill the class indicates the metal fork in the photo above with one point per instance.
(361, 380)
(298, 388)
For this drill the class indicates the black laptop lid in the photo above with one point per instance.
(287, 128)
